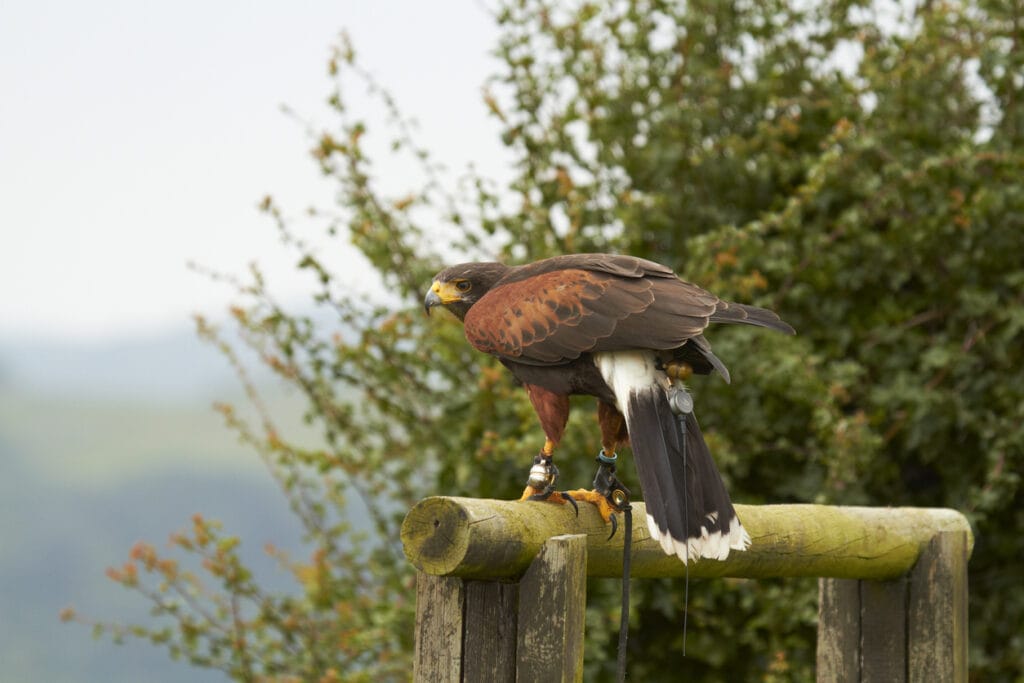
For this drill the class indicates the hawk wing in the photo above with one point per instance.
(555, 310)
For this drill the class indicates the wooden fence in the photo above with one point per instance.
(892, 585)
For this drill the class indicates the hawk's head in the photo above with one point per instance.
(457, 288)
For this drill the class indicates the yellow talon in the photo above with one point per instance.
(604, 508)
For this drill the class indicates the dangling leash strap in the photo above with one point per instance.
(681, 402)
(618, 495)
(627, 553)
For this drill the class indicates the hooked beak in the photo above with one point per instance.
(432, 299)
(441, 294)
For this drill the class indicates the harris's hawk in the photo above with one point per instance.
(622, 329)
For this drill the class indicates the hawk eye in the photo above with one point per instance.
(463, 285)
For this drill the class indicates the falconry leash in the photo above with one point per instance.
(681, 402)
(617, 494)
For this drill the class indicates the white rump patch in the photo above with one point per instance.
(627, 371)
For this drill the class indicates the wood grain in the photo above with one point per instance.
(496, 539)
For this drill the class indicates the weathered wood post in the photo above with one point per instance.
(893, 601)
(912, 628)
(498, 631)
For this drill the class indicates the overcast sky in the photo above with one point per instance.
(137, 136)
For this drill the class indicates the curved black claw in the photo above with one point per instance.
(615, 527)
(572, 501)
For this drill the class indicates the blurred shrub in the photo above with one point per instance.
(855, 166)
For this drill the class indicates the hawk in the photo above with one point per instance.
(624, 330)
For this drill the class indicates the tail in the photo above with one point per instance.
(729, 312)
(688, 508)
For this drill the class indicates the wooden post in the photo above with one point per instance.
(439, 627)
(911, 629)
(501, 591)
(883, 631)
(552, 604)
(503, 632)
(937, 612)
(838, 630)
(490, 631)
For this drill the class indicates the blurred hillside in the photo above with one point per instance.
(86, 434)
(173, 365)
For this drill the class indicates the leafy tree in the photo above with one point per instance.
(855, 166)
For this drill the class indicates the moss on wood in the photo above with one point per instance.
(496, 539)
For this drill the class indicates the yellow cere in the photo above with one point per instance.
(447, 291)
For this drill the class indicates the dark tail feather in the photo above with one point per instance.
(688, 509)
(728, 312)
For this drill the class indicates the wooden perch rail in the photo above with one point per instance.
(474, 538)
(892, 589)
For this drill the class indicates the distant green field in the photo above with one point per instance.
(80, 481)
(89, 442)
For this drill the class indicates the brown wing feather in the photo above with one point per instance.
(556, 315)
(553, 317)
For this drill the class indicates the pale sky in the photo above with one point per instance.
(137, 136)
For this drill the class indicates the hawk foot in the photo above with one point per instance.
(541, 484)
(560, 497)
(609, 494)
(604, 506)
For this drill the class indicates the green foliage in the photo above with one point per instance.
(861, 176)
